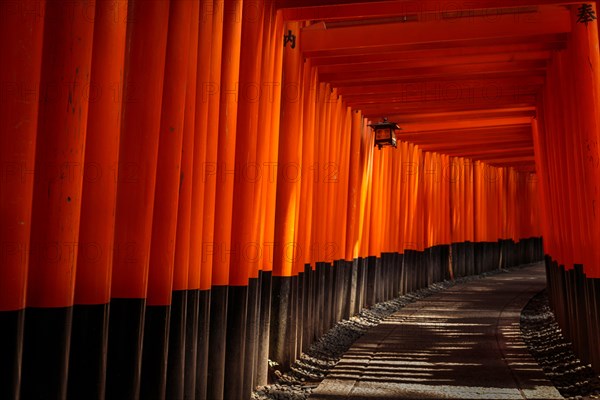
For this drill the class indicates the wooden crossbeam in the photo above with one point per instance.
(548, 21)
(323, 10)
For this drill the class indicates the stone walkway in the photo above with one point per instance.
(462, 343)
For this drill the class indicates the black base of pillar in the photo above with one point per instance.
(264, 329)
(176, 360)
(281, 324)
(307, 308)
(201, 349)
(408, 269)
(191, 343)
(371, 284)
(398, 261)
(338, 299)
(237, 308)
(217, 342)
(294, 323)
(300, 309)
(87, 362)
(252, 325)
(470, 258)
(154, 353)
(445, 269)
(125, 335)
(352, 292)
(328, 298)
(386, 261)
(594, 312)
(575, 301)
(362, 284)
(379, 287)
(582, 314)
(320, 299)
(46, 353)
(11, 349)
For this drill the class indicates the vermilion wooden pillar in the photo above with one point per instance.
(318, 233)
(144, 76)
(274, 126)
(62, 126)
(225, 157)
(374, 227)
(19, 106)
(374, 206)
(268, 188)
(584, 68)
(266, 157)
(210, 162)
(403, 206)
(365, 200)
(327, 245)
(412, 176)
(177, 371)
(386, 226)
(344, 179)
(318, 212)
(325, 168)
(572, 151)
(243, 290)
(563, 120)
(550, 128)
(198, 301)
(208, 245)
(309, 166)
(569, 182)
(395, 185)
(285, 212)
(87, 364)
(164, 221)
(354, 189)
(586, 91)
(306, 314)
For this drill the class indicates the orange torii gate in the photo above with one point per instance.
(190, 187)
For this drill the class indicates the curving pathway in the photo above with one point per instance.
(462, 343)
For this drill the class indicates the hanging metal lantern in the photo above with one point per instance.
(385, 133)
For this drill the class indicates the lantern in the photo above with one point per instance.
(385, 133)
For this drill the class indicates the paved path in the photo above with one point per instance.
(463, 343)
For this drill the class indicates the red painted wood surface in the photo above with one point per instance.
(144, 76)
(60, 150)
(246, 250)
(18, 122)
(99, 197)
(168, 171)
(209, 174)
(182, 270)
(288, 184)
(227, 136)
(205, 90)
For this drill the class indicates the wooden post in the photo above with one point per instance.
(62, 127)
(166, 197)
(177, 370)
(142, 98)
(89, 338)
(285, 212)
(198, 301)
(18, 124)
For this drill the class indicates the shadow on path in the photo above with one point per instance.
(462, 343)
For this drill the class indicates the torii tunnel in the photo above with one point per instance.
(190, 188)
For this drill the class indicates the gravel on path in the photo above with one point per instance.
(554, 353)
